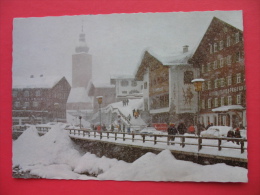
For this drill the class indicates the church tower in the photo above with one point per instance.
(81, 63)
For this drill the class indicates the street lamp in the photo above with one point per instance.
(99, 99)
(198, 87)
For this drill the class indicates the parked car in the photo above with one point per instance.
(216, 131)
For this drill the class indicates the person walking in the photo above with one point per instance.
(172, 131)
(182, 128)
(237, 135)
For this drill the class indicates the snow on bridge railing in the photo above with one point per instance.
(167, 139)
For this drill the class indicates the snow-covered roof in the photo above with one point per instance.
(102, 85)
(78, 94)
(121, 76)
(36, 81)
(227, 108)
(175, 58)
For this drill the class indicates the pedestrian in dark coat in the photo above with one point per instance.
(231, 134)
(182, 128)
(237, 134)
(172, 131)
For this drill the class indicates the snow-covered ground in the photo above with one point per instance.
(54, 156)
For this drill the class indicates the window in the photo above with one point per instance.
(222, 101)
(222, 82)
(203, 68)
(124, 83)
(209, 84)
(229, 80)
(134, 83)
(238, 56)
(210, 48)
(35, 104)
(229, 100)
(203, 104)
(17, 104)
(209, 103)
(215, 65)
(237, 37)
(216, 102)
(229, 59)
(221, 62)
(216, 83)
(209, 68)
(145, 85)
(215, 47)
(239, 78)
(203, 86)
(38, 93)
(238, 99)
(228, 41)
(26, 94)
(26, 104)
(221, 45)
(188, 77)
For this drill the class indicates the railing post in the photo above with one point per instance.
(79, 132)
(107, 135)
(143, 138)
(123, 137)
(70, 131)
(242, 146)
(168, 139)
(183, 141)
(94, 133)
(199, 143)
(100, 135)
(155, 139)
(74, 131)
(219, 144)
(88, 133)
(83, 133)
(115, 136)
(133, 137)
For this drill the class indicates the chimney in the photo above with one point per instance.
(31, 76)
(185, 48)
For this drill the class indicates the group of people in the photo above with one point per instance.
(234, 134)
(172, 130)
(125, 102)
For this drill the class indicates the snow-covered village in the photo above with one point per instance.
(137, 97)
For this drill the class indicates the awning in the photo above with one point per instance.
(228, 108)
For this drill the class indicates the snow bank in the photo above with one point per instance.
(164, 167)
(55, 147)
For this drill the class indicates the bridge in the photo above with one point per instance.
(131, 146)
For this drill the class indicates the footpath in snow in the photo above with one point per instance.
(54, 156)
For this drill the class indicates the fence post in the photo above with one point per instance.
(242, 146)
(199, 143)
(143, 138)
(83, 133)
(70, 131)
(133, 137)
(123, 137)
(183, 141)
(107, 135)
(115, 136)
(79, 132)
(155, 139)
(94, 133)
(74, 131)
(219, 144)
(100, 135)
(168, 139)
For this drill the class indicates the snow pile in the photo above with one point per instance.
(54, 156)
(55, 147)
(216, 131)
(164, 167)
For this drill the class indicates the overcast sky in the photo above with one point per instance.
(45, 45)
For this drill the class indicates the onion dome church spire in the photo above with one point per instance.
(82, 45)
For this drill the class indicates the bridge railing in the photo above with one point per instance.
(168, 138)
